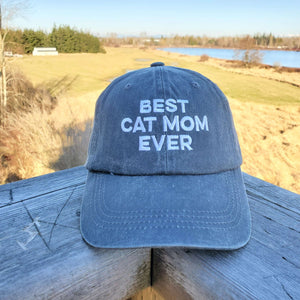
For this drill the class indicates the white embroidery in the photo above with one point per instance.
(150, 120)
(173, 142)
(203, 125)
(171, 124)
(171, 105)
(175, 123)
(126, 129)
(187, 123)
(160, 105)
(144, 143)
(158, 145)
(182, 102)
(139, 125)
(185, 142)
(145, 106)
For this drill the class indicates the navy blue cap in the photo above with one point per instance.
(164, 165)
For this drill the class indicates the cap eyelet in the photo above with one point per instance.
(127, 86)
(195, 84)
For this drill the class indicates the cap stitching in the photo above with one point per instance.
(141, 227)
(168, 220)
(235, 221)
(166, 133)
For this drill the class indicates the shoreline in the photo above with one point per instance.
(286, 75)
(232, 48)
(232, 61)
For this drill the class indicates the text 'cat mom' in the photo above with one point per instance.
(179, 122)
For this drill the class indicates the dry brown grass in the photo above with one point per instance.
(74, 125)
(40, 142)
(22, 95)
(270, 141)
(27, 142)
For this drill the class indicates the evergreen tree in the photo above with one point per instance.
(32, 39)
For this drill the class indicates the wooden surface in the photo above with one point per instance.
(267, 268)
(42, 255)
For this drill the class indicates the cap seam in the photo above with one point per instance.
(164, 113)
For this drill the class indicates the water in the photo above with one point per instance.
(270, 57)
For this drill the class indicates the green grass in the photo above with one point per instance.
(94, 71)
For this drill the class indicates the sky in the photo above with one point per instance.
(165, 17)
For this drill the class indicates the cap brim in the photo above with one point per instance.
(195, 211)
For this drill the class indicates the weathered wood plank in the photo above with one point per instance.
(5, 197)
(34, 187)
(264, 191)
(267, 268)
(43, 256)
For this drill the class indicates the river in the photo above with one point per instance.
(270, 57)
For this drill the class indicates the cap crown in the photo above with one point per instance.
(163, 120)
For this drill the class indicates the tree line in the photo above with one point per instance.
(64, 38)
(243, 42)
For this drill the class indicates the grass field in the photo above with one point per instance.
(266, 111)
(92, 72)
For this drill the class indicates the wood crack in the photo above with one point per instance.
(61, 225)
(258, 197)
(275, 251)
(47, 193)
(283, 287)
(59, 213)
(11, 197)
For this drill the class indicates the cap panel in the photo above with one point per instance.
(163, 120)
(205, 121)
(119, 125)
(95, 138)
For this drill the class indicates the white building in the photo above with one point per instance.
(44, 51)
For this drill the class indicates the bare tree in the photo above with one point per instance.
(9, 9)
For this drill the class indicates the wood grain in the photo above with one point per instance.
(266, 268)
(42, 255)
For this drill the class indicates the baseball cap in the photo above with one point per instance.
(164, 165)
